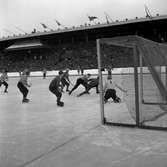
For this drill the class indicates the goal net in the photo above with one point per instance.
(150, 60)
(153, 79)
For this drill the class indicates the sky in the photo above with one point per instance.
(19, 16)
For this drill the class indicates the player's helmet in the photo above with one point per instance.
(26, 71)
(88, 75)
(60, 72)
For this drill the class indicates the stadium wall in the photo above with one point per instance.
(116, 71)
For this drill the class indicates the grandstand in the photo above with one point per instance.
(58, 48)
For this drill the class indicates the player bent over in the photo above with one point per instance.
(23, 84)
(3, 79)
(92, 83)
(110, 92)
(55, 88)
(81, 81)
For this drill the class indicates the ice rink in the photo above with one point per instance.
(40, 134)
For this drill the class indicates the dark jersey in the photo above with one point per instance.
(93, 82)
(84, 78)
(55, 83)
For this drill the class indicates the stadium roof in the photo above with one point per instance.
(30, 44)
(85, 27)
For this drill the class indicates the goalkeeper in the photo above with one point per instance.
(110, 92)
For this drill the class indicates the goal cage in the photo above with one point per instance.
(145, 103)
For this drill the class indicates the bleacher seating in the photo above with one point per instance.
(67, 55)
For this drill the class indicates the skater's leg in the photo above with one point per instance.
(65, 83)
(87, 87)
(79, 81)
(58, 95)
(114, 96)
(97, 88)
(67, 87)
(108, 95)
(24, 91)
(6, 86)
(85, 92)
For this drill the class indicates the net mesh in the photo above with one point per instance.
(153, 86)
(152, 75)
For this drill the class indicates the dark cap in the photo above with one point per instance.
(26, 71)
(60, 72)
(89, 74)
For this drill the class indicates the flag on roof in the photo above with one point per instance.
(43, 25)
(34, 30)
(58, 23)
(91, 18)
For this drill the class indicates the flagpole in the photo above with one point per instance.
(58, 23)
(20, 29)
(45, 27)
(6, 30)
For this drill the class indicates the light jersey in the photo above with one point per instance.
(44, 71)
(4, 77)
(109, 84)
(23, 79)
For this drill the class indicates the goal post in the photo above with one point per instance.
(100, 81)
(146, 102)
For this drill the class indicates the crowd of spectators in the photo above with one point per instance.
(83, 55)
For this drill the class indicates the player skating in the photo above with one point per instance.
(65, 80)
(56, 88)
(44, 73)
(23, 84)
(81, 81)
(78, 70)
(110, 92)
(3, 80)
(109, 72)
(92, 83)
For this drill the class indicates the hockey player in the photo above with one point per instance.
(56, 88)
(110, 92)
(109, 71)
(44, 73)
(3, 80)
(81, 81)
(65, 80)
(23, 84)
(92, 83)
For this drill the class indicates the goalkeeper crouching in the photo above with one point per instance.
(110, 92)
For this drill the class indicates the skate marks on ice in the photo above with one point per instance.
(134, 144)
